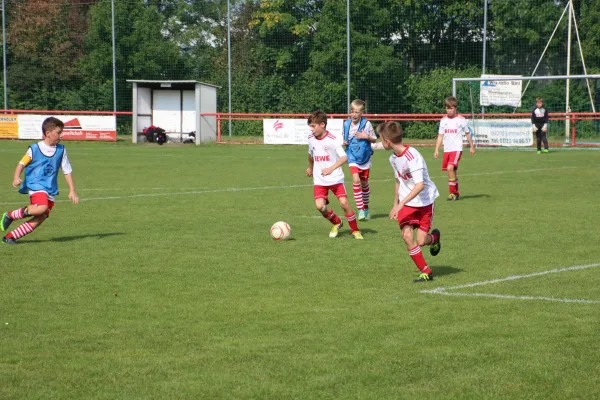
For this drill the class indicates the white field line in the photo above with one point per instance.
(197, 192)
(510, 297)
(451, 290)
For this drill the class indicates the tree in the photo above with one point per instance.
(142, 52)
(45, 39)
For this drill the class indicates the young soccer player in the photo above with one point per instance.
(41, 164)
(452, 127)
(414, 196)
(326, 156)
(539, 121)
(358, 136)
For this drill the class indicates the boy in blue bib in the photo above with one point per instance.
(358, 136)
(41, 164)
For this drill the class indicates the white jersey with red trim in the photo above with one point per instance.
(453, 130)
(409, 169)
(325, 152)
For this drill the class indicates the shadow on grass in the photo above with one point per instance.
(444, 270)
(377, 216)
(366, 230)
(78, 237)
(474, 196)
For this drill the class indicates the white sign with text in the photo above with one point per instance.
(296, 131)
(500, 93)
(501, 132)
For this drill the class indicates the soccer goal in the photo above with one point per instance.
(501, 107)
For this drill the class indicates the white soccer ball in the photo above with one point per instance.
(281, 231)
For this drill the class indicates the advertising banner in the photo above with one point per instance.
(501, 132)
(77, 127)
(500, 93)
(296, 131)
(9, 126)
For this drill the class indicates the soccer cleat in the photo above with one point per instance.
(435, 249)
(357, 235)
(423, 277)
(335, 229)
(539, 152)
(545, 151)
(6, 221)
(361, 215)
(9, 240)
(452, 197)
(367, 215)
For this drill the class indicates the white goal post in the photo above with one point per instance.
(535, 78)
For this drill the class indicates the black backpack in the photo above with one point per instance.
(160, 137)
(154, 134)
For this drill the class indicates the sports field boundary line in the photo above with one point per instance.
(246, 189)
(451, 290)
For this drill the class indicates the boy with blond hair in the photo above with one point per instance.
(358, 136)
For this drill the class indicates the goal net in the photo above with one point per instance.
(500, 107)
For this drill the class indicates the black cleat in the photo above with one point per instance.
(6, 221)
(423, 277)
(9, 240)
(435, 248)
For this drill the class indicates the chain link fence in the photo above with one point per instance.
(291, 56)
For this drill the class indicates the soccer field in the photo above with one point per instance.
(163, 282)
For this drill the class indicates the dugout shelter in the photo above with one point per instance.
(175, 106)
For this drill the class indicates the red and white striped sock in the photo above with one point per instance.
(434, 239)
(366, 193)
(351, 218)
(358, 196)
(25, 229)
(453, 186)
(333, 218)
(18, 213)
(419, 260)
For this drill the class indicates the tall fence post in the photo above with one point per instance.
(4, 55)
(114, 56)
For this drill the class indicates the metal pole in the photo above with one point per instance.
(528, 78)
(229, 60)
(114, 57)
(348, 54)
(4, 55)
(485, 9)
(567, 107)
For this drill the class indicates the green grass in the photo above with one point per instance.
(164, 283)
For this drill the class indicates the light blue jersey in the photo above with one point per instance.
(359, 150)
(42, 173)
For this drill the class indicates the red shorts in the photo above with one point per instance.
(363, 174)
(321, 192)
(41, 199)
(451, 158)
(418, 217)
